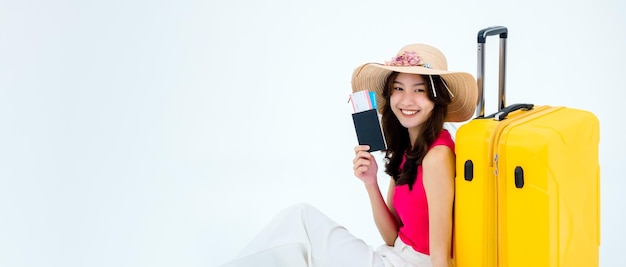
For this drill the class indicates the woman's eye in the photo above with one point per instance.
(398, 88)
(420, 90)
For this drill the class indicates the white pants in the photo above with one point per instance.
(303, 236)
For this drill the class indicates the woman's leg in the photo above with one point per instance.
(303, 236)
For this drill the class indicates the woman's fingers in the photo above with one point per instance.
(361, 148)
(360, 151)
(361, 162)
(358, 156)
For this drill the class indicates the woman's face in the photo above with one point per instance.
(409, 101)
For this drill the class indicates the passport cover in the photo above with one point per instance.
(368, 131)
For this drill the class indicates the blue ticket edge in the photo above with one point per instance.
(373, 99)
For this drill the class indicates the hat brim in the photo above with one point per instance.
(372, 76)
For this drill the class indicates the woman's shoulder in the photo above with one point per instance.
(438, 155)
(444, 139)
(441, 151)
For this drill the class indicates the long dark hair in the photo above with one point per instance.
(397, 136)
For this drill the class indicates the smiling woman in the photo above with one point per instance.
(169, 133)
(416, 111)
(416, 95)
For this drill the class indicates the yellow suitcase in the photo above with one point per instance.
(527, 184)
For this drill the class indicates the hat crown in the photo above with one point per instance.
(429, 55)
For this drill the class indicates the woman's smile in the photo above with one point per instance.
(409, 112)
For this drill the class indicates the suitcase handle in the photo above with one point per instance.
(495, 30)
(501, 115)
(503, 32)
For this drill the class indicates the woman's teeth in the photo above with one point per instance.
(409, 112)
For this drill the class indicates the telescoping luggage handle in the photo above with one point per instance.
(482, 38)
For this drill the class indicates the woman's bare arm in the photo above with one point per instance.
(365, 168)
(384, 213)
(438, 175)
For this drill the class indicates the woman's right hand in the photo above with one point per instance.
(365, 167)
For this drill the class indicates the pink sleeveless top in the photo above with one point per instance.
(412, 206)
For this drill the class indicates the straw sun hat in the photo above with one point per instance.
(426, 60)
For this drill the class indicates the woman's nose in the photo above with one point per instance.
(407, 98)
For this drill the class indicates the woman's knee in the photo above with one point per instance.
(301, 209)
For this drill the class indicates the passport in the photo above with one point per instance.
(368, 130)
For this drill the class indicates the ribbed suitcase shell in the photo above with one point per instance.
(553, 218)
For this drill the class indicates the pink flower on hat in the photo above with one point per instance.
(407, 58)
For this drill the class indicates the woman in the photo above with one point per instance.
(416, 94)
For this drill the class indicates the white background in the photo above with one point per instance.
(168, 133)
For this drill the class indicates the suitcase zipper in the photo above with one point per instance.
(500, 127)
(495, 146)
